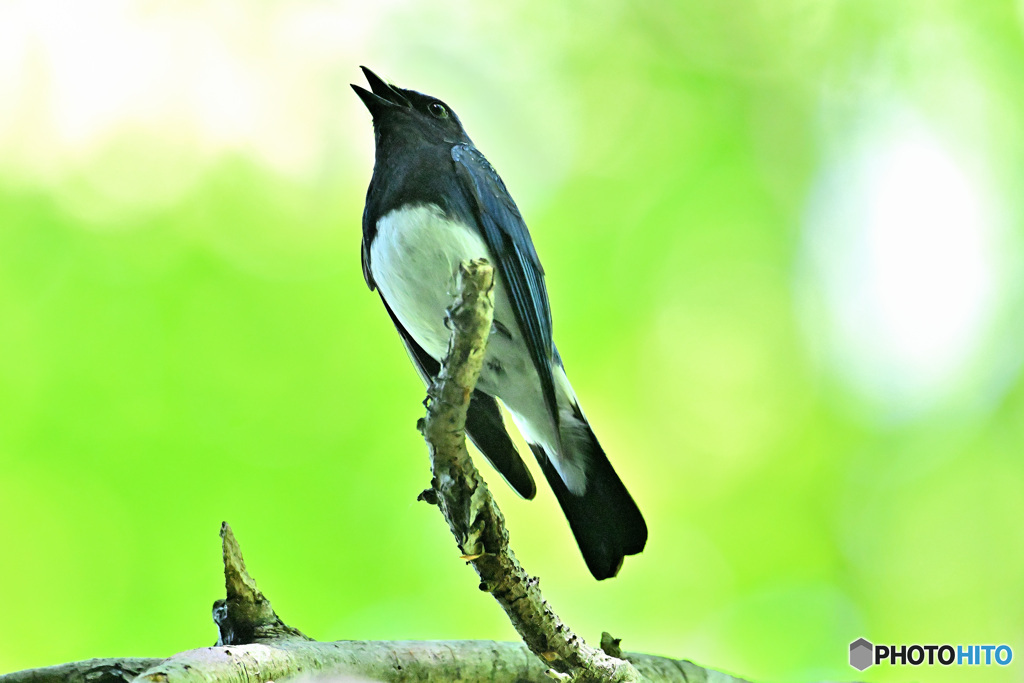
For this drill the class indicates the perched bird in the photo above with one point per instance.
(434, 201)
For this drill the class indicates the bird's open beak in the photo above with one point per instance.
(383, 95)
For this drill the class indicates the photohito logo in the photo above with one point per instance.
(863, 654)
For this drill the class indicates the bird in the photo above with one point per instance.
(434, 201)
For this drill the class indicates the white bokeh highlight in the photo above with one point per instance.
(900, 267)
(117, 108)
(75, 74)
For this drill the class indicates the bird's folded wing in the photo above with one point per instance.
(365, 254)
(509, 242)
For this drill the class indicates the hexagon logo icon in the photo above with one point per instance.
(861, 654)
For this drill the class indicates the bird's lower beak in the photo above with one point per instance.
(372, 102)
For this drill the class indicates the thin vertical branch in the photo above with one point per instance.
(471, 511)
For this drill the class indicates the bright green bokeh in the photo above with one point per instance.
(185, 335)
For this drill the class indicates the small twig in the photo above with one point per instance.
(246, 623)
(469, 508)
(245, 616)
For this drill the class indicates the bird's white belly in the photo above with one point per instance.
(414, 259)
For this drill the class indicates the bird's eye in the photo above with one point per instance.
(437, 110)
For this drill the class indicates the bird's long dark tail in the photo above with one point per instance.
(606, 522)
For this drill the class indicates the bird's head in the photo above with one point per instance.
(409, 115)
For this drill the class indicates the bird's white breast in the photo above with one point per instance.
(414, 260)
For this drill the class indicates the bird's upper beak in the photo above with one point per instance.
(383, 96)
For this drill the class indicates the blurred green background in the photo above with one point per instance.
(783, 242)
